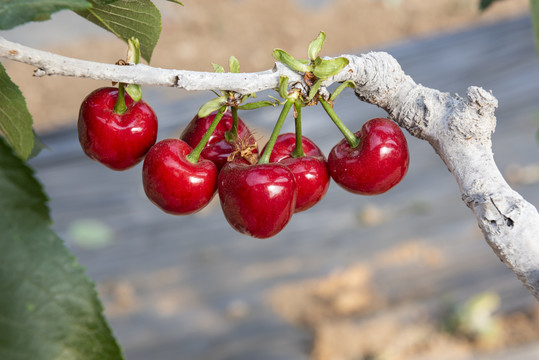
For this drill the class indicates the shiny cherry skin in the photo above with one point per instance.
(218, 149)
(173, 183)
(377, 164)
(257, 200)
(118, 141)
(310, 171)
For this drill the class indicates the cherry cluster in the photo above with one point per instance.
(217, 153)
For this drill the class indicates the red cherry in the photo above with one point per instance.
(218, 149)
(257, 200)
(118, 141)
(175, 184)
(310, 171)
(378, 163)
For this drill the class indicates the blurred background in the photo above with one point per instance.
(404, 275)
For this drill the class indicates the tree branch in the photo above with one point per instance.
(459, 129)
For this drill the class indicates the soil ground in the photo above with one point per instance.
(206, 31)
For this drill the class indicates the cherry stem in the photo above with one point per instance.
(298, 148)
(352, 139)
(264, 159)
(120, 107)
(232, 135)
(194, 155)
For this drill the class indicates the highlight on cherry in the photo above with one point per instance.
(217, 153)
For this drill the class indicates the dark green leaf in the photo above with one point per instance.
(329, 68)
(316, 45)
(257, 105)
(176, 2)
(534, 5)
(49, 308)
(484, 4)
(291, 62)
(15, 119)
(17, 12)
(234, 65)
(128, 18)
(211, 106)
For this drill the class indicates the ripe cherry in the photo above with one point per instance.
(310, 171)
(175, 184)
(118, 141)
(377, 164)
(257, 200)
(218, 148)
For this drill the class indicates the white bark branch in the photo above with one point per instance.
(459, 129)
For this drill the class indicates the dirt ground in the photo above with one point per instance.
(350, 319)
(205, 31)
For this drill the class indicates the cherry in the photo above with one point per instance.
(218, 148)
(257, 200)
(310, 171)
(174, 183)
(378, 163)
(118, 141)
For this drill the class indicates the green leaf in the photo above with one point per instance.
(257, 105)
(134, 91)
(234, 65)
(127, 19)
(17, 12)
(484, 4)
(316, 45)
(211, 106)
(341, 87)
(38, 146)
(133, 51)
(314, 89)
(534, 5)
(291, 62)
(103, 2)
(49, 308)
(330, 67)
(176, 2)
(283, 86)
(15, 119)
(218, 68)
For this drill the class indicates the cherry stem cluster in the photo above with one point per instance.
(264, 159)
(352, 139)
(194, 155)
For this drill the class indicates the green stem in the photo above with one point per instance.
(352, 139)
(120, 107)
(264, 159)
(298, 148)
(232, 135)
(194, 155)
